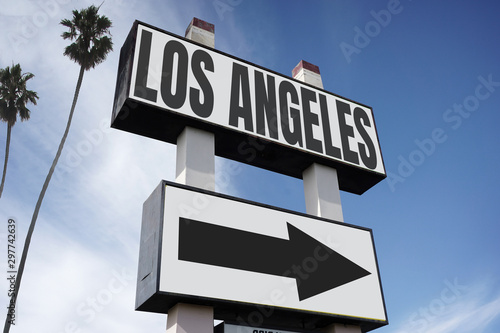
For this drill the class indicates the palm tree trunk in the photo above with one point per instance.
(40, 199)
(9, 129)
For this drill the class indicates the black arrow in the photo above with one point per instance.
(315, 267)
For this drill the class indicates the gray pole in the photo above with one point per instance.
(195, 166)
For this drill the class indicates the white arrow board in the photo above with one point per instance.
(212, 249)
(166, 82)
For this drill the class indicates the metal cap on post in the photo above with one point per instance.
(201, 32)
(308, 73)
(195, 166)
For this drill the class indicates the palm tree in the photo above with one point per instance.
(13, 99)
(90, 47)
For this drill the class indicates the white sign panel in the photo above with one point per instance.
(219, 91)
(230, 328)
(224, 249)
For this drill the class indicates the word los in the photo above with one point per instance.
(181, 77)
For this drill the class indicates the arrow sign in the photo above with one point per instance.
(315, 267)
(195, 244)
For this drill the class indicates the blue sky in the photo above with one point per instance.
(430, 72)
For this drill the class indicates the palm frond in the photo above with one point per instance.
(14, 94)
(91, 35)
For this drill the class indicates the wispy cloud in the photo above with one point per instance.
(473, 309)
(472, 316)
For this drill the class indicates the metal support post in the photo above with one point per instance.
(321, 185)
(195, 166)
(187, 318)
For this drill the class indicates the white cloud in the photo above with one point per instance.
(467, 317)
(474, 308)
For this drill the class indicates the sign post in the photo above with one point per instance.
(321, 185)
(195, 166)
(205, 255)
